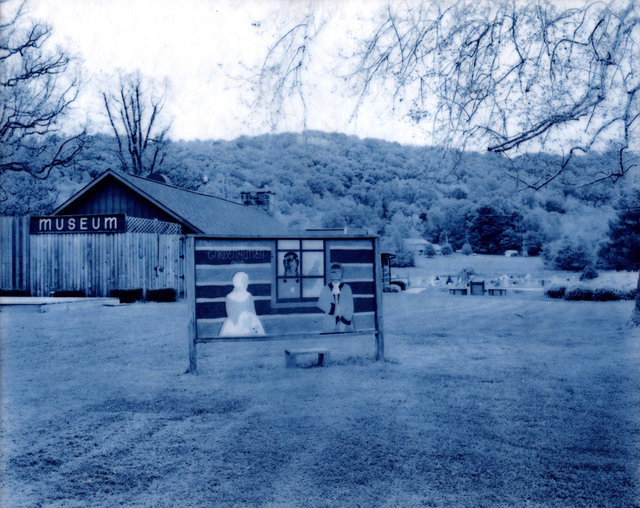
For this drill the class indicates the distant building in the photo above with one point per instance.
(416, 245)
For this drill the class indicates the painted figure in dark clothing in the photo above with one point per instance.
(289, 286)
(291, 264)
(336, 301)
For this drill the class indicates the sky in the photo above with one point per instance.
(206, 50)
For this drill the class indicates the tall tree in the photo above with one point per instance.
(493, 230)
(622, 251)
(134, 113)
(38, 86)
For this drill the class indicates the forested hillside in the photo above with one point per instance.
(398, 191)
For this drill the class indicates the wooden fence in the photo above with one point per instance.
(93, 263)
(14, 253)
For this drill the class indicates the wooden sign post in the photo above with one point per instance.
(379, 292)
(190, 293)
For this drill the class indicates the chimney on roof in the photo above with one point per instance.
(260, 198)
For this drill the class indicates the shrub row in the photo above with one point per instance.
(161, 295)
(588, 294)
(152, 295)
(73, 293)
(14, 292)
(125, 295)
(555, 292)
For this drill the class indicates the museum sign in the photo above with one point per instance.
(113, 223)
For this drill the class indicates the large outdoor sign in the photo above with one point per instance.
(113, 223)
(245, 289)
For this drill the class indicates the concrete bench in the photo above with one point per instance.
(497, 291)
(291, 355)
(458, 291)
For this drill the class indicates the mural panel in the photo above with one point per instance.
(258, 288)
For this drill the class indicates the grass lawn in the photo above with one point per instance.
(481, 401)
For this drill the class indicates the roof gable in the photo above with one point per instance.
(201, 213)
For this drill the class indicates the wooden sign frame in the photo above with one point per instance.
(194, 244)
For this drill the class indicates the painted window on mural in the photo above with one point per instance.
(300, 270)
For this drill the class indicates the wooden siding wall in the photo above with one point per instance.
(215, 265)
(98, 263)
(93, 263)
(111, 197)
(14, 253)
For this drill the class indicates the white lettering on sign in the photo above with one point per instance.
(239, 256)
(110, 223)
(45, 225)
(79, 224)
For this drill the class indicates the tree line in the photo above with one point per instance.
(397, 191)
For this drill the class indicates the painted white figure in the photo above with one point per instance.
(336, 301)
(242, 320)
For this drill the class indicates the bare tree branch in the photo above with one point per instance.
(37, 89)
(511, 76)
(137, 124)
(283, 75)
(506, 76)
